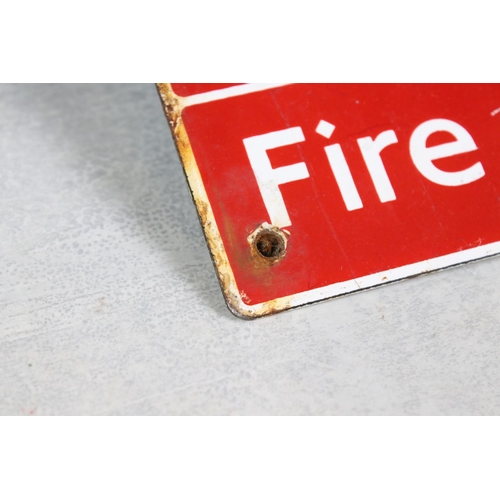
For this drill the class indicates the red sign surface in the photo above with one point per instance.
(364, 183)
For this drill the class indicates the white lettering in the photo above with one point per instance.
(422, 155)
(325, 129)
(371, 149)
(343, 176)
(269, 178)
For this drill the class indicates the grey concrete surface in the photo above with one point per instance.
(109, 303)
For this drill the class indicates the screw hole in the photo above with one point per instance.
(270, 245)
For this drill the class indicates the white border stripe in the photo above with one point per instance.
(216, 95)
(399, 273)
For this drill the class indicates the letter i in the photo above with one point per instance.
(340, 168)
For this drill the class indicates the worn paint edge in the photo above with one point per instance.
(173, 106)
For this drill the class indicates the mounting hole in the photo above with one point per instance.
(270, 244)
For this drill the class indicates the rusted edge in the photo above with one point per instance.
(173, 106)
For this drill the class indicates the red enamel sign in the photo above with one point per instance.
(311, 191)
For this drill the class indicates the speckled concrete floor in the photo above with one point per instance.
(109, 303)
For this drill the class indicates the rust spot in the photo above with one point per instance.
(172, 105)
(268, 245)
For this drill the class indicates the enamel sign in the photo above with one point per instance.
(312, 191)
